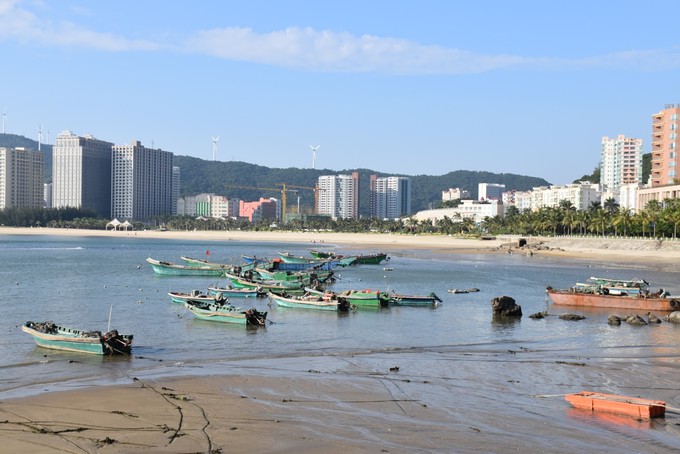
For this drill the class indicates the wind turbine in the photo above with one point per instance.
(4, 119)
(39, 136)
(214, 140)
(314, 155)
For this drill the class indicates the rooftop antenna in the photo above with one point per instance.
(314, 155)
(214, 141)
(39, 136)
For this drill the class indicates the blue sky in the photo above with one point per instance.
(426, 87)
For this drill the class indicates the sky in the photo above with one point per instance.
(401, 87)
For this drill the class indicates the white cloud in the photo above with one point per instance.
(330, 51)
(22, 25)
(313, 50)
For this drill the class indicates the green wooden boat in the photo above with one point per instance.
(366, 298)
(173, 269)
(312, 301)
(362, 259)
(222, 266)
(49, 335)
(226, 313)
(310, 261)
(195, 295)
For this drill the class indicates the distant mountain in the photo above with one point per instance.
(234, 179)
(250, 182)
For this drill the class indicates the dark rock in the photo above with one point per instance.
(505, 306)
(652, 319)
(572, 317)
(673, 317)
(539, 315)
(614, 320)
(636, 320)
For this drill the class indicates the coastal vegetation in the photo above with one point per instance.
(608, 219)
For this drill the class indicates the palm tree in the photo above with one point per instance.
(623, 217)
(600, 219)
(611, 205)
(673, 216)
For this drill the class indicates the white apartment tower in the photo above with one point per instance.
(81, 173)
(490, 191)
(142, 182)
(21, 178)
(620, 161)
(390, 197)
(339, 196)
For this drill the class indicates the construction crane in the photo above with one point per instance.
(284, 195)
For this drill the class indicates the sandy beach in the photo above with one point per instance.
(617, 250)
(311, 405)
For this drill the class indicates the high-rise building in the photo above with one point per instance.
(21, 178)
(175, 188)
(390, 197)
(339, 196)
(620, 161)
(81, 173)
(665, 144)
(142, 182)
(490, 191)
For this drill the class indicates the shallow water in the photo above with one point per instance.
(458, 345)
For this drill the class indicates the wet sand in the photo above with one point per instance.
(373, 403)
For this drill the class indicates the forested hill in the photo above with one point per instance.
(233, 179)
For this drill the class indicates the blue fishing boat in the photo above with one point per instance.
(49, 335)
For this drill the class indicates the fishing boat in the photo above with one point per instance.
(49, 335)
(614, 294)
(361, 259)
(267, 286)
(226, 313)
(366, 297)
(232, 292)
(196, 295)
(311, 301)
(310, 261)
(611, 403)
(163, 268)
(223, 266)
(398, 299)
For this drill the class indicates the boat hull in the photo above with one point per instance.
(314, 304)
(174, 269)
(72, 340)
(226, 314)
(414, 300)
(569, 298)
(623, 405)
(366, 298)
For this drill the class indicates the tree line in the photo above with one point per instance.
(655, 220)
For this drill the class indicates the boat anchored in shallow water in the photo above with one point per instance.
(614, 294)
(49, 335)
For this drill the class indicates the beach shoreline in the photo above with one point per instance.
(378, 401)
(653, 252)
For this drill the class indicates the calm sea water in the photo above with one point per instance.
(80, 281)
